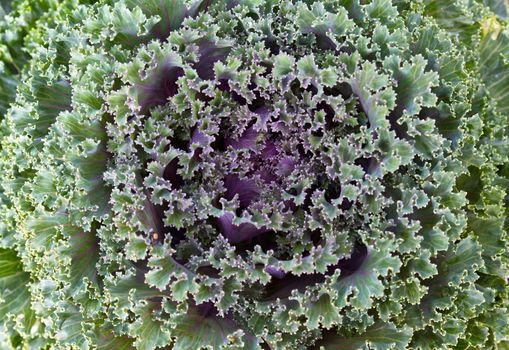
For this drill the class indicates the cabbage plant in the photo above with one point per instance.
(259, 174)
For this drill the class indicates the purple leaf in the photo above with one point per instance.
(275, 272)
(209, 54)
(246, 140)
(160, 84)
(264, 114)
(170, 173)
(269, 151)
(246, 189)
(286, 166)
(236, 234)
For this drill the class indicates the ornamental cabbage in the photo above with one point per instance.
(258, 174)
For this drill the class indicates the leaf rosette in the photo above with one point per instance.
(250, 174)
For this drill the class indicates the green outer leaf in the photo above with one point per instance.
(494, 67)
(149, 332)
(85, 255)
(194, 331)
(14, 294)
(108, 341)
(365, 282)
(380, 336)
